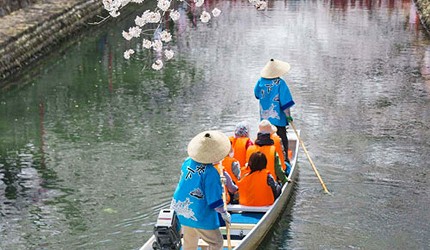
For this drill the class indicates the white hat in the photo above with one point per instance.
(265, 127)
(275, 68)
(209, 147)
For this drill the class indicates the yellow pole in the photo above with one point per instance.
(309, 158)
(224, 198)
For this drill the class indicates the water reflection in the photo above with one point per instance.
(91, 143)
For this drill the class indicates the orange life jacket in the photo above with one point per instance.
(239, 148)
(227, 162)
(244, 170)
(254, 190)
(227, 194)
(278, 146)
(269, 151)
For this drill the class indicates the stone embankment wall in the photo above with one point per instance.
(38, 25)
(423, 7)
(7, 6)
(30, 32)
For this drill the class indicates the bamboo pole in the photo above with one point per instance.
(309, 158)
(224, 199)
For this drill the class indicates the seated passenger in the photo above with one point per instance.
(264, 144)
(232, 166)
(265, 127)
(241, 141)
(230, 187)
(258, 188)
(232, 174)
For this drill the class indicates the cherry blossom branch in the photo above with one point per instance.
(160, 37)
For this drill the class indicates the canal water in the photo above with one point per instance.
(91, 144)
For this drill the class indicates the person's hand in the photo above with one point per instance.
(226, 217)
(289, 118)
(223, 180)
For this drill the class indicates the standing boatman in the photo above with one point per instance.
(198, 196)
(275, 98)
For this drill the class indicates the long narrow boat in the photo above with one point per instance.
(250, 225)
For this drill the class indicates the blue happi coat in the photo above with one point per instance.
(198, 193)
(274, 96)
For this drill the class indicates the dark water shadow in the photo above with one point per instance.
(280, 234)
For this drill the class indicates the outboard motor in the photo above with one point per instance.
(167, 231)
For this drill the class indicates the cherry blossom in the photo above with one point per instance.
(205, 17)
(199, 3)
(157, 65)
(151, 25)
(163, 5)
(128, 53)
(147, 44)
(157, 45)
(166, 36)
(126, 35)
(174, 15)
(216, 12)
(169, 54)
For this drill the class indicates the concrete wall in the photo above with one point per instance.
(29, 33)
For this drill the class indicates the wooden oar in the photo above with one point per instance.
(224, 199)
(309, 158)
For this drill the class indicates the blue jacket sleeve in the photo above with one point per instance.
(257, 90)
(286, 100)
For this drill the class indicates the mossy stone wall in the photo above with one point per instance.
(423, 7)
(7, 6)
(29, 33)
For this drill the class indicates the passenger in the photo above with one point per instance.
(264, 144)
(198, 197)
(232, 168)
(241, 141)
(230, 188)
(265, 127)
(258, 188)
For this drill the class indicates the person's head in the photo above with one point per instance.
(257, 161)
(274, 69)
(265, 127)
(242, 129)
(209, 147)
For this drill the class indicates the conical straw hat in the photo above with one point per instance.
(209, 147)
(275, 68)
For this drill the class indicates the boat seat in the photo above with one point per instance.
(203, 245)
(241, 208)
(239, 226)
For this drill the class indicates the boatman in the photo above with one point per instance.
(198, 196)
(275, 98)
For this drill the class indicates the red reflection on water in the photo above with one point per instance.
(110, 57)
(42, 133)
(366, 4)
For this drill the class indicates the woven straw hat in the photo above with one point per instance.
(265, 127)
(275, 68)
(209, 147)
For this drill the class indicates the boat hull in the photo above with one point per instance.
(248, 234)
(258, 233)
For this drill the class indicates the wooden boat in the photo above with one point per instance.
(250, 225)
